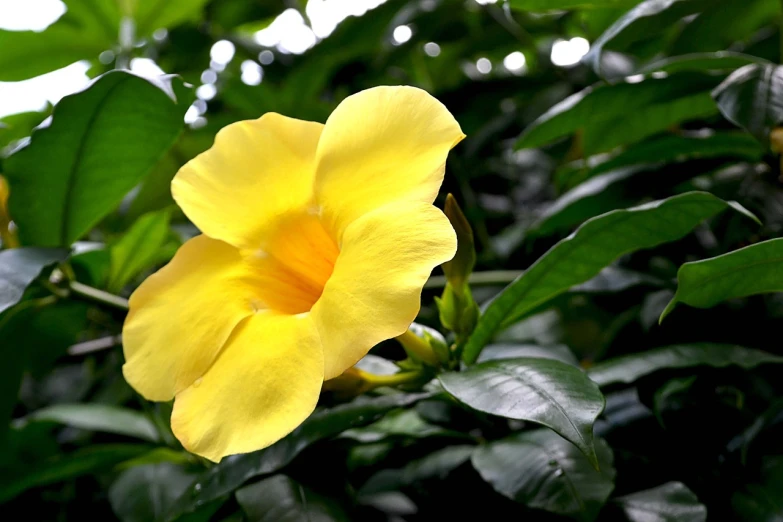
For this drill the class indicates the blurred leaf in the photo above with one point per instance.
(762, 502)
(66, 466)
(18, 126)
(436, 465)
(401, 423)
(670, 502)
(552, 5)
(138, 249)
(234, 471)
(718, 61)
(755, 269)
(628, 368)
(647, 18)
(752, 98)
(145, 493)
(281, 499)
(100, 144)
(593, 246)
(545, 391)
(21, 266)
(542, 471)
(99, 417)
(621, 113)
(150, 15)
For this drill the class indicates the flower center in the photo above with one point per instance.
(294, 265)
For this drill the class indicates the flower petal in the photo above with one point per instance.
(256, 171)
(375, 290)
(263, 385)
(181, 317)
(379, 146)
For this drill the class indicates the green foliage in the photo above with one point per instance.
(589, 194)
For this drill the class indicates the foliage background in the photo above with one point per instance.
(675, 96)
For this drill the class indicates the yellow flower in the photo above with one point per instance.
(317, 240)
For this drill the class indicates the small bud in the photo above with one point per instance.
(460, 267)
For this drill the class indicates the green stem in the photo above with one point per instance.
(98, 296)
(492, 277)
(418, 348)
(373, 381)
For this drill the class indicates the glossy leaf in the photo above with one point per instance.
(628, 368)
(542, 471)
(593, 246)
(144, 493)
(756, 269)
(281, 499)
(21, 266)
(234, 471)
(752, 98)
(101, 143)
(436, 465)
(502, 351)
(99, 417)
(138, 249)
(546, 391)
(670, 502)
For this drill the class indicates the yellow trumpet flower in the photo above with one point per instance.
(317, 240)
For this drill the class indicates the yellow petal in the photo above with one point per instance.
(263, 385)
(255, 172)
(374, 292)
(181, 317)
(382, 145)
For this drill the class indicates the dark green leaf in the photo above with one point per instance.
(402, 423)
(670, 502)
(762, 502)
(101, 143)
(558, 352)
(63, 467)
(436, 465)
(544, 391)
(232, 472)
(553, 5)
(281, 499)
(718, 61)
(756, 269)
(21, 266)
(145, 493)
(629, 368)
(621, 113)
(138, 249)
(752, 97)
(594, 245)
(162, 14)
(541, 470)
(99, 417)
(647, 18)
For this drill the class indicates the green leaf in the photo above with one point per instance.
(548, 392)
(401, 423)
(628, 368)
(21, 266)
(145, 493)
(436, 465)
(553, 5)
(558, 352)
(647, 18)
(281, 499)
(621, 113)
(18, 126)
(63, 467)
(755, 269)
(150, 15)
(726, 61)
(762, 502)
(99, 417)
(542, 471)
(232, 472)
(752, 98)
(138, 249)
(101, 143)
(670, 502)
(593, 246)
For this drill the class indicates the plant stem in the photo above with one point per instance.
(376, 381)
(98, 296)
(491, 277)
